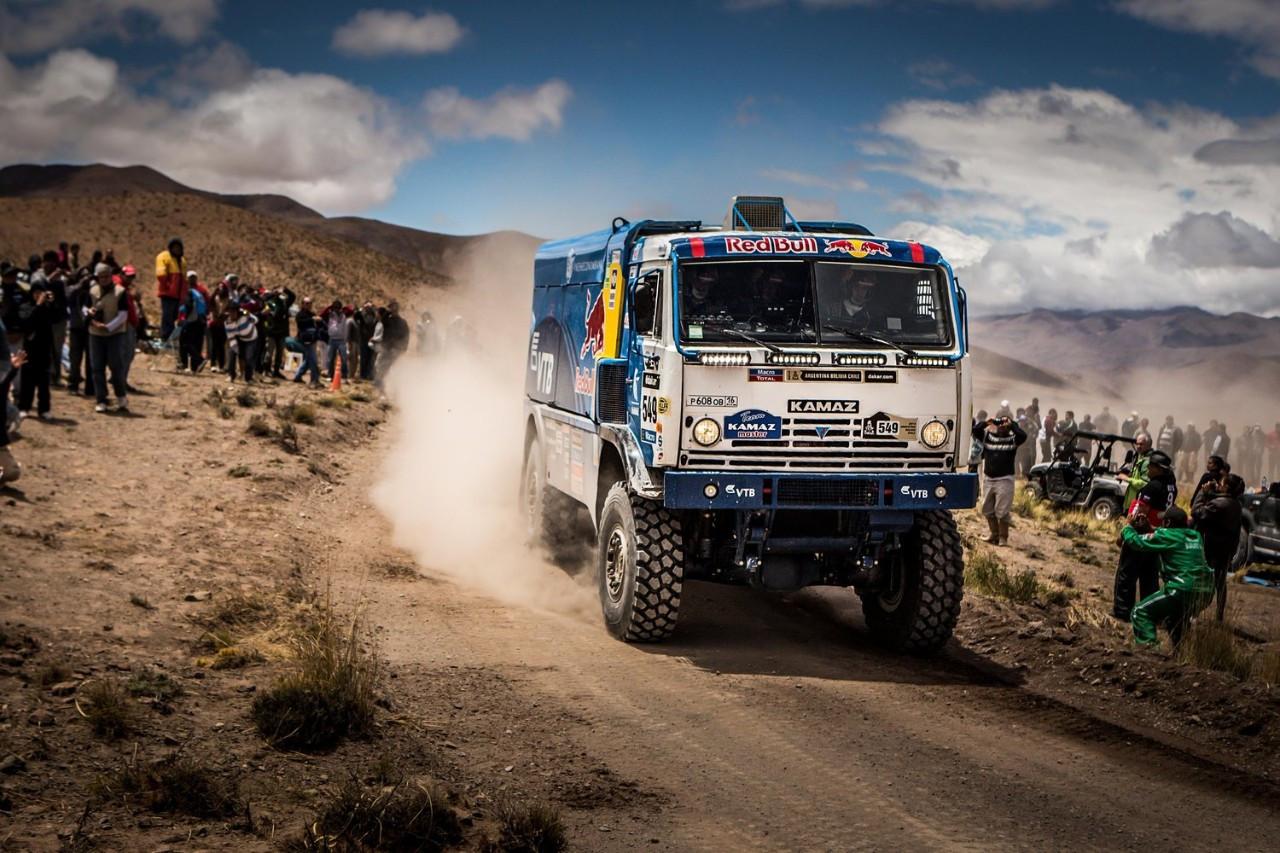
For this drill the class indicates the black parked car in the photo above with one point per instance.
(1260, 539)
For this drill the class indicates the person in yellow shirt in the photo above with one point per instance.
(171, 284)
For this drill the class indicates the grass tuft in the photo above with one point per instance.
(298, 413)
(174, 784)
(1213, 645)
(533, 828)
(241, 471)
(330, 697)
(154, 684)
(236, 657)
(246, 397)
(407, 816)
(108, 708)
(986, 574)
(141, 601)
(333, 401)
(52, 673)
(360, 396)
(226, 412)
(259, 426)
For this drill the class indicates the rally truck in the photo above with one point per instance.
(769, 402)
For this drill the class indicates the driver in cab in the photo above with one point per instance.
(703, 293)
(855, 309)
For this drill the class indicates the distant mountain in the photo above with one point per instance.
(431, 252)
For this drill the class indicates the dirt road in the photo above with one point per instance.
(775, 725)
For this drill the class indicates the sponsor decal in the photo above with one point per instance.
(771, 245)
(593, 340)
(713, 401)
(533, 352)
(652, 380)
(649, 436)
(652, 361)
(568, 267)
(650, 408)
(883, 376)
(824, 407)
(546, 373)
(795, 375)
(765, 374)
(882, 425)
(664, 406)
(584, 381)
(752, 424)
(739, 491)
(858, 248)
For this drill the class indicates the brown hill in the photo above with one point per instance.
(435, 253)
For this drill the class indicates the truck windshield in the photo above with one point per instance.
(812, 302)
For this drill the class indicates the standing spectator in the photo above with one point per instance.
(1169, 439)
(355, 341)
(1216, 513)
(429, 345)
(192, 316)
(1144, 428)
(275, 318)
(38, 342)
(1106, 421)
(10, 363)
(52, 278)
(367, 321)
(79, 306)
(1134, 472)
(308, 333)
(1085, 445)
(999, 439)
(107, 320)
(1064, 432)
(336, 326)
(242, 340)
(1189, 461)
(1221, 444)
(1130, 426)
(219, 303)
(1215, 468)
(133, 325)
(395, 336)
(1033, 412)
(1257, 447)
(14, 299)
(1026, 454)
(171, 279)
(1048, 428)
(1273, 453)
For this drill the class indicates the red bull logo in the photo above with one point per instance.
(858, 248)
(771, 245)
(593, 341)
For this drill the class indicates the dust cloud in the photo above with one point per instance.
(450, 482)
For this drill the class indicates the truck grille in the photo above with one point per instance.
(611, 392)
(826, 444)
(828, 492)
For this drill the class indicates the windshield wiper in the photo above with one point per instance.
(751, 339)
(867, 337)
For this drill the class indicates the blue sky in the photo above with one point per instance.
(993, 128)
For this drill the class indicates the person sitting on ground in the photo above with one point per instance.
(1216, 513)
(1000, 439)
(1188, 580)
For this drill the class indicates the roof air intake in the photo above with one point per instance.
(756, 213)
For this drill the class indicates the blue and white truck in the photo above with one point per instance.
(770, 402)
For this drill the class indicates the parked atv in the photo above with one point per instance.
(1260, 538)
(1068, 481)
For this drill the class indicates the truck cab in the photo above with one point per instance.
(767, 402)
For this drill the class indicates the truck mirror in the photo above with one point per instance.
(645, 301)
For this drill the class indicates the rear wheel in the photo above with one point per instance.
(1244, 551)
(916, 609)
(639, 567)
(549, 513)
(1105, 508)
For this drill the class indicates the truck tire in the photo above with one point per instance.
(639, 567)
(548, 512)
(1244, 550)
(918, 613)
(1105, 508)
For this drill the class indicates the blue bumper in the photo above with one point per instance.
(904, 492)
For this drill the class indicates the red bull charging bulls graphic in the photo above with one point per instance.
(593, 340)
(858, 248)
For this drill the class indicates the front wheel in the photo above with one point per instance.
(639, 567)
(916, 609)
(1105, 508)
(548, 512)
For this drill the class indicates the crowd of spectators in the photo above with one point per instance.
(77, 325)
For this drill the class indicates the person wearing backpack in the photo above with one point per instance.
(307, 337)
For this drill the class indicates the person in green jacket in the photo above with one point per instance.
(1137, 474)
(1188, 580)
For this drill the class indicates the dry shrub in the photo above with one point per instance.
(238, 609)
(333, 401)
(288, 439)
(108, 708)
(1214, 645)
(174, 784)
(986, 574)
(259, 426)
(1266, 668)
(246, 397)
(236, 657)
(408, 816)
(331, 696)
(141, 601)
(298, 413)
(360, 396)
(226, 412)
(154, 684)
(532, 828)
(242, 471)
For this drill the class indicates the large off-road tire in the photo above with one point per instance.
(639, 567)
(916, 610)
(1105, 508)
(548, 512)
(1244, 550)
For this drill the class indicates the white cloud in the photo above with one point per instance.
(814, 209)
(959, 248)
(314, 137)
(511, 113)
(36, 26)
(940, 75)
(379, 32)
(1078, 192)
(1254, 23)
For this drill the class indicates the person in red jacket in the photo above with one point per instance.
(171, 283)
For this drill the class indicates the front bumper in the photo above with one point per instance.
(733, 490)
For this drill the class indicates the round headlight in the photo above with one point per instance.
(934, 434)
(707, 432)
